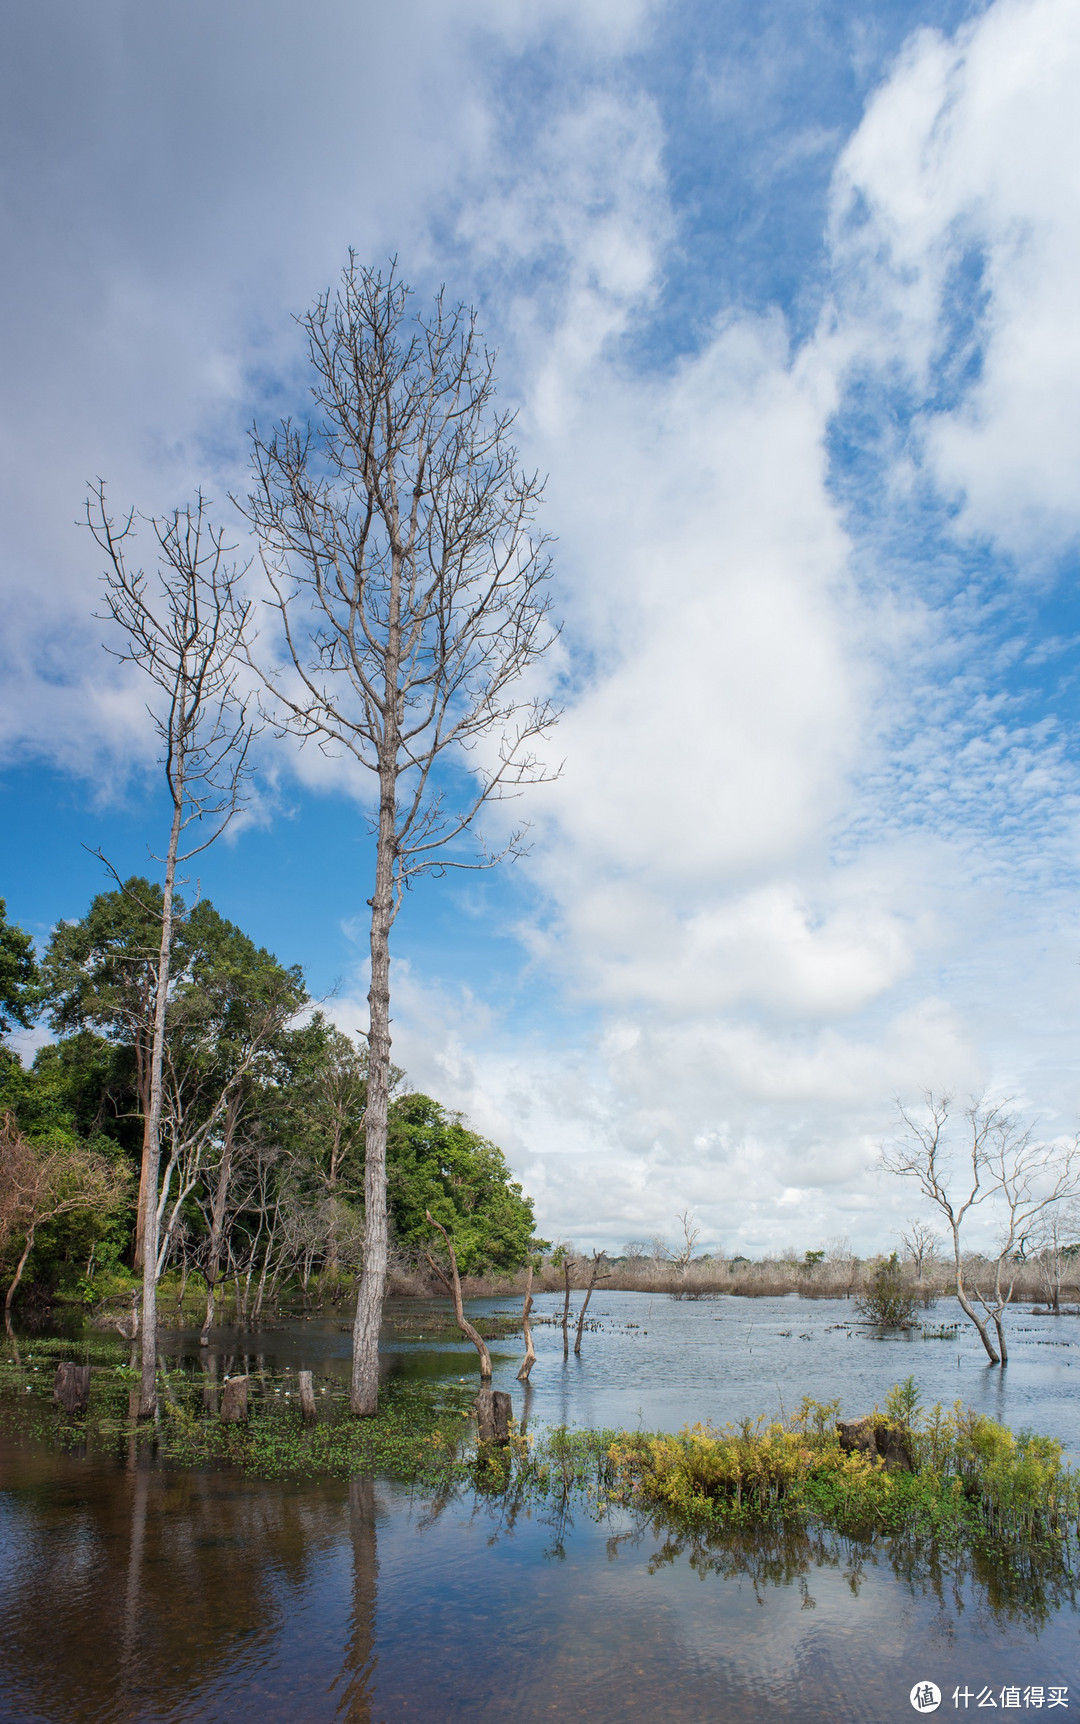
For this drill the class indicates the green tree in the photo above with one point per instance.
(20, 990)
(436, 1163)
(100, 974)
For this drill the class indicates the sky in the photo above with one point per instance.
(784, 300)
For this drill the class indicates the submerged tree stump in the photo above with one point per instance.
(71, 1390)
(889, 1444)
(493, 1409)
(307, 1397)
(234, 1401)
(894, 1447)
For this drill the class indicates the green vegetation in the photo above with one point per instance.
(971, 1478)
(418, 1433)
(262, 1125)
(889, 1300)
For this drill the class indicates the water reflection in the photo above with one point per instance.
(132, 1593)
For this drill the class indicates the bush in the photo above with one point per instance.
(888, 1301)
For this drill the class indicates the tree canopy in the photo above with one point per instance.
(263, 1123)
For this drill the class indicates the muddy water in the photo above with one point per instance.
(130, 1593)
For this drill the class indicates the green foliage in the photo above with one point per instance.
(811, 1259)
(971, 1476)
(435, 1162)
(20, 980)
(888, 1301)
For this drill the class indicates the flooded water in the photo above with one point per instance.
(133, 1593)
(657, 1363)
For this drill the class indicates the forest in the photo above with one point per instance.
(263, 1109)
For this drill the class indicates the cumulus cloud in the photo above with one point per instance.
(805, 854)
(957, 241)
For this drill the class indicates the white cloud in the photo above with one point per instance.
(957, 233)
(803, 857)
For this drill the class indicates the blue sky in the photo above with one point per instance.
(784, 298)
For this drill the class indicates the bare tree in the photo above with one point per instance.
(691, 1234)
(452, 1282)
(920, 1244)
(526, 1327)
(396, 534)
(998, 1160)
(598, 1271)
(39, 1182)
(1052, 1243)
(185, 630)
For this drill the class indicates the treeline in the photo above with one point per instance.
(263, 1105)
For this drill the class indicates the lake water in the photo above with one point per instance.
(133, 1593)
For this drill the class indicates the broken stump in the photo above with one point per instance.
(71, 1390)
(307, 1397)
(493, 1409)
(857, 1437)
(894, 1447)
(889, 1444)
(234, 1401)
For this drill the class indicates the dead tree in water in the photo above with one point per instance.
(396, 534)
(452, 1283)
(998, 1160)
(530, 1351)
(563, 1258)
(599, 1273)
(186, 632)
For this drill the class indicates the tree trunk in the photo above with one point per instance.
(152, 1144)
(530, 1351)
(371, 1291)
(581, 1314)
(71, 1390)
(19, 1267)
(307, 1397)
(453, 1287)
(234, 1401)
(566, 1310)
(970, 1312)
(493, 1410)
(217, 1219)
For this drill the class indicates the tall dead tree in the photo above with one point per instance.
(185, 630)
(998, 1161)
(396, 533)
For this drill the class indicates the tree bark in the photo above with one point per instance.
(19, 1267)
(566, 1310)
(371, 1292)
(152, 1144)
(969, 1310)
(530, 1351)
(217, 1218)
(234, 1401)
(71, 1390)
(493, 1410)
(452, 1283)
(307, 1397)
(592, 1281)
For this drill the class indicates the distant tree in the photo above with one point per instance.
(20, 990)
(396, 532)
(691, 1233)
(184, 629)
